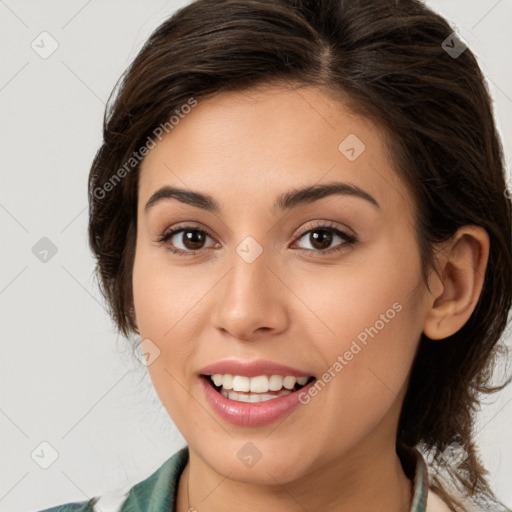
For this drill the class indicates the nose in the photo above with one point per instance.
(251, 300)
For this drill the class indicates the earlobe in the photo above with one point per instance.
(457, 287)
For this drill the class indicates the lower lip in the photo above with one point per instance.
(252, 414)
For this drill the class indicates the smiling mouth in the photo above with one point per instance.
(240, 388)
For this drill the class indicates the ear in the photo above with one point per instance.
(458, 282)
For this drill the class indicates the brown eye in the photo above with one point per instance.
(186, 240)
(321, 238)
(193, 240)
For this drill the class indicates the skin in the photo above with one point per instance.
(293, 306)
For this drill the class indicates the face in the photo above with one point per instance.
(282, 289)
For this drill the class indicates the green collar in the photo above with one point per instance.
(158, 492)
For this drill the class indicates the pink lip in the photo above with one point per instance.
(252, 414)
(245, 413)
(251, 368)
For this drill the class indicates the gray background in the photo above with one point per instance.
(67, 378)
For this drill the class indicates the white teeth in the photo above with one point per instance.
(232, 385)
(241, 383)
(259, 384)
(275, 383)
(226, 381)
(289, 382)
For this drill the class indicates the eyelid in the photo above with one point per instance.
(317, 224)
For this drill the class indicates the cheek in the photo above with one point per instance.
(375, 311)
(169, 302)
(371, 297)
(164, 299)
(374, 323)
(164, 295)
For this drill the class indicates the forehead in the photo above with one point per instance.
(268, 139)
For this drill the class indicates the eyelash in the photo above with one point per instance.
(349, 240)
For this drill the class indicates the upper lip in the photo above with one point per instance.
(251, 368)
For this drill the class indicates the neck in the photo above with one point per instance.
(365, 481)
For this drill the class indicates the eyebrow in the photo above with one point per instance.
(285, 201)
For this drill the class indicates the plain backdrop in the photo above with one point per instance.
(71, 390)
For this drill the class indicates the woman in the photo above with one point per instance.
(300, 207)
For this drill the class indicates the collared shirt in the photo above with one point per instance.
(158, 492)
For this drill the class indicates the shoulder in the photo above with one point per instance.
(156, 492)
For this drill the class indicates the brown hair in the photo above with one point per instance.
(386, 57)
